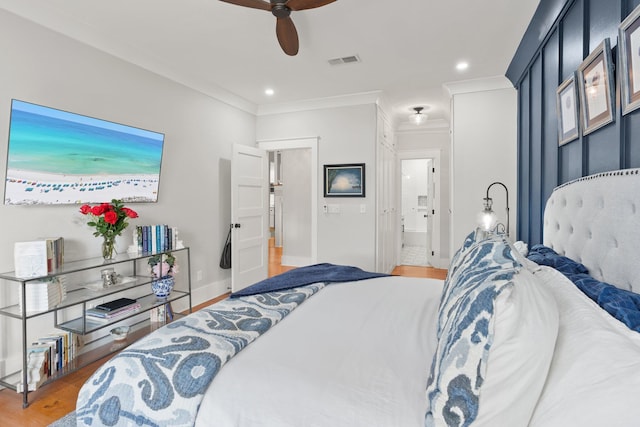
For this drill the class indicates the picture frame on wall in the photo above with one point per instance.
(596, 88)
(567, 109)
(344, 180)
(629, 56)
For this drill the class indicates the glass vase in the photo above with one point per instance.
(108, 248)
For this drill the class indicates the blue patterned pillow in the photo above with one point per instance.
(459, 257)
(478, 261)
(465, 331)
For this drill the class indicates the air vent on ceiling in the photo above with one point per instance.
(344, 60)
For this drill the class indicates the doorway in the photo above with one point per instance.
(293, 201)
(417, 211)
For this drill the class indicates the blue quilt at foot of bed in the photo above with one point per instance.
(317, 273)
(161, 379)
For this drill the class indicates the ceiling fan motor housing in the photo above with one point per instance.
(279, 10)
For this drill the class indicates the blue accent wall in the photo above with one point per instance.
(560, 35)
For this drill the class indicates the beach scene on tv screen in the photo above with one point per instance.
(57, 157)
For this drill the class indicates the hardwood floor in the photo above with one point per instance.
(55, 400)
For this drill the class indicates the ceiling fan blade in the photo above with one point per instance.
(306, 4)
(255, 4)
(287, 36)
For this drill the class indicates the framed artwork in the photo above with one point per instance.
(596, 88)
(567, 107)
(629, 54)
(344, 180)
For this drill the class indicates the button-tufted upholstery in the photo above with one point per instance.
(595, 220)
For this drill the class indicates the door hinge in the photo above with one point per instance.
(433, 253)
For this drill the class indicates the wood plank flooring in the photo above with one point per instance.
(55, 400)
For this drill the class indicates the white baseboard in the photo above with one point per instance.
(296, 261)
(210, 291)
(2, 371)
(440, 262)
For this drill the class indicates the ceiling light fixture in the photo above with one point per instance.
(461, 66)
(418, 117)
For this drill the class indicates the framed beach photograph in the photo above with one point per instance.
(59, 157)
(596, 88)
(629, 55)
(567, 106)
(344, 180)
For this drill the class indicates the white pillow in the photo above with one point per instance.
(498, 332)
(526, 327)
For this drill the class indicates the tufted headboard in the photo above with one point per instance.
(595, 220)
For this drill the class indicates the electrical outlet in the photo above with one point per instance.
(198, 275)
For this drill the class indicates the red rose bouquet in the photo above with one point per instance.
(109, 220)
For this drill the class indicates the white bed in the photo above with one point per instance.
(407, 352)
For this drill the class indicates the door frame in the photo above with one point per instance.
(302, 143)
(433, 154)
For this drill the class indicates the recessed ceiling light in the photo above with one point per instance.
(461, 66)
(269, 92)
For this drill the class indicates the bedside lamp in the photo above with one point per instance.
(488, 220)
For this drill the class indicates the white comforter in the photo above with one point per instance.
(346, 357)
(594, 379)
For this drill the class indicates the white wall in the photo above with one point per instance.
(44, 67)
(484, 150)
(347, 135)
(296, 207)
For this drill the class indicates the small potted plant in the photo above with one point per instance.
(163, 268)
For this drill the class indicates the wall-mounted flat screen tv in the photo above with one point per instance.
(58, 157)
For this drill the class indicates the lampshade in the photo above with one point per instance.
(487, 219)
(418, 117)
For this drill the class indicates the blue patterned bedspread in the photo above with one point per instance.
(161, 379)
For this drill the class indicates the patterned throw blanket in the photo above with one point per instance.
(161, 379)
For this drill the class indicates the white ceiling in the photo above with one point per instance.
(408, 48)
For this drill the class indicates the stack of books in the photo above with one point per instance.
(110, 311)
(48, 355)
(156, 238)
(43, 295)
(39, 257)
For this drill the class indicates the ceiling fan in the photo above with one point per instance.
(281, 9)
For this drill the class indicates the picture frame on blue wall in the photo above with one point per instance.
(629, 59)
(567, 109)
(596, 88)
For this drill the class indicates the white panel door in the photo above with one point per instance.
(249, 216)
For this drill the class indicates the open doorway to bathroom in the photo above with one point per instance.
(418, 192)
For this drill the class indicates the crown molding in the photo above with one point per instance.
(320, 103)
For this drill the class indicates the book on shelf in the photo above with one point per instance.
(156, 238)
(48, 355)
(158, 315)
(42, 295)
(55, 253)
(39, 257)
(108, 316)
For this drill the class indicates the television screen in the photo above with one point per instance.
(58, 157)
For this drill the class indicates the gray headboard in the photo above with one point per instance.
(595, 220)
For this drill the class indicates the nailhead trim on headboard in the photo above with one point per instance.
(595, 220)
